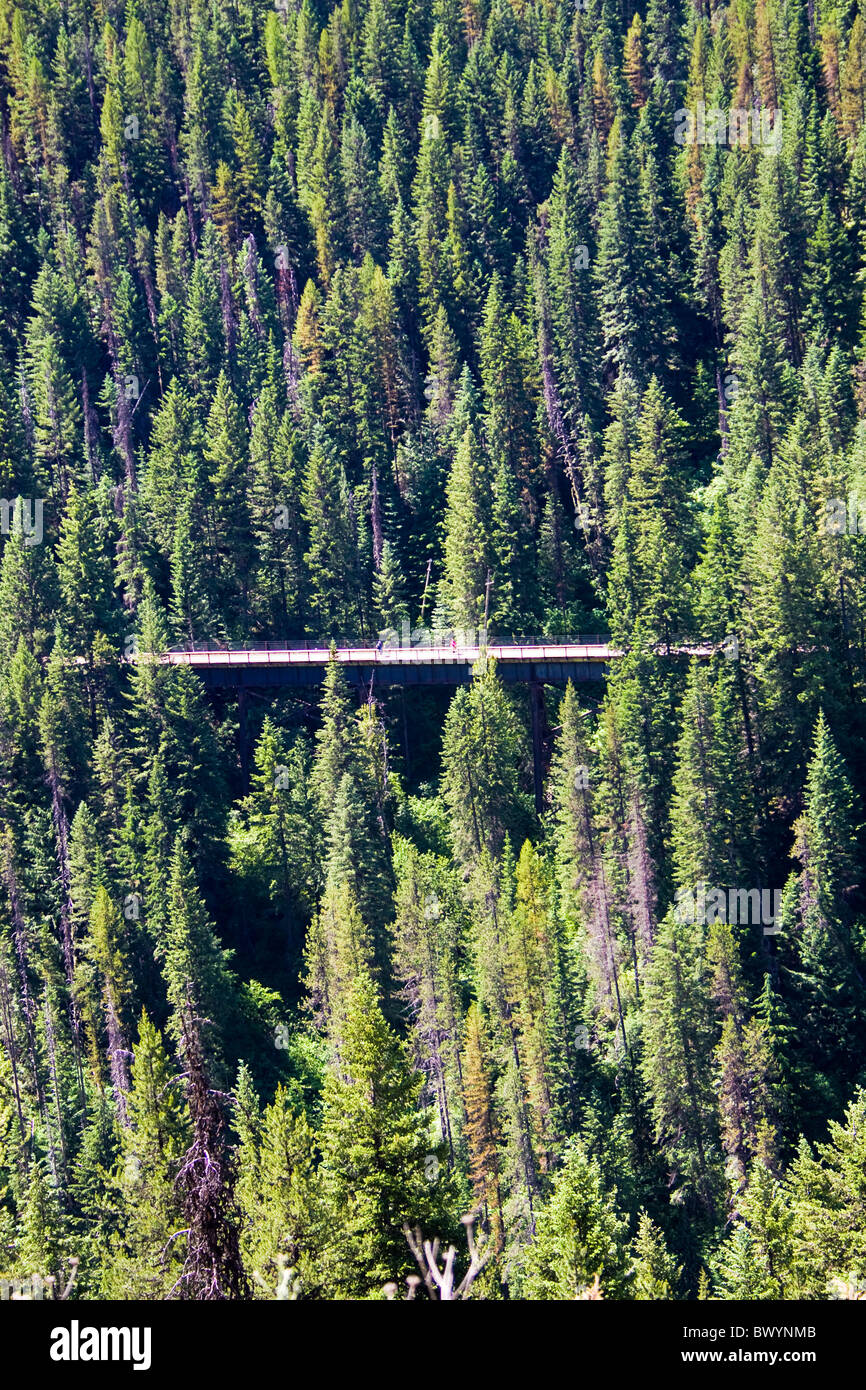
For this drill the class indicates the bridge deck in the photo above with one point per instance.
(445, 665)
(366, 656)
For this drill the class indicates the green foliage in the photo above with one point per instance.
(325, 323)
(374, 1146)
(579, 1235)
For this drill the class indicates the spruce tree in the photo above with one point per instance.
(374, 1146)
(579, 1236)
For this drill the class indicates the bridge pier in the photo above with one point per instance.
(540, 733)
(244, 739)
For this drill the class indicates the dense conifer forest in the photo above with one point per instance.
(501, 317)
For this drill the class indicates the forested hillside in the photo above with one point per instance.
(321, 321)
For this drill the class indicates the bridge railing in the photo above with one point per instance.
(360, 643)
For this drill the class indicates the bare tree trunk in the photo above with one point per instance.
(52, 1067)
(61, 832)
(28, 1004)
(11, 1045)
(117, 1055)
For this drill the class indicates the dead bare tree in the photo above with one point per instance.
(288, 1286)
(213, 1268)
(439, 1280)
